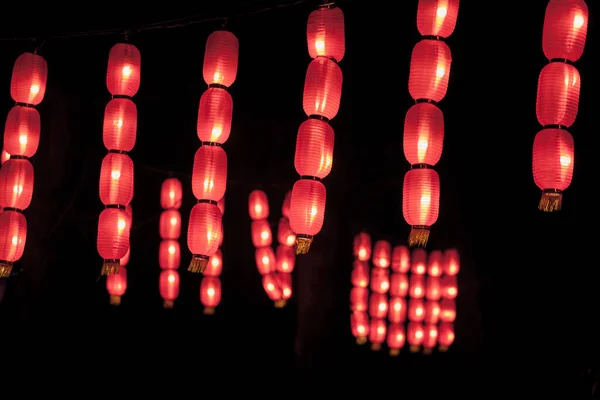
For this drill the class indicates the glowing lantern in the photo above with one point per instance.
(116, 286)
(378, 305)
(22, 131)
(420, 203)
(113, 238)
(359, 299)
(429, 70)
(451, 264)
(434, 263)
(171, 193)
(445, 336)
(416, 286)
(169, 287)
(210, 294)
(418, 262)
(447, 310)
(169, 254)
(423, 134)
(29, 76)
(437, 18)
(16, 184)
(553, 159)
(399, 285)
(285, 259)
(325, 33)
(415, 336)
(359, 323)
(285, 235)
(380, 280)
(416, 310)
(215, 264)
(362, 246)
(430, 338)
(13, 235)
(120, 125)
(401, 259)
(449, 287)
(170, 224)
(432, 312)
(261, 233)
(360, 274)
(123, 74)
(271, 287)
(397, 310)
(307, 212)
(214, 116)
(204, 233)
(377, 333)
(285, 207)
(565, 29)
(123, 262)
(221, 58)
(314, 149)
(395, 338)
(433, 288)
(116, 179)
(258, 205)
(322, 88)
(284, 280)
(209, 177)
(558, 94)
(382, 254)
(265, 260)
(221, 205)
(5, 156)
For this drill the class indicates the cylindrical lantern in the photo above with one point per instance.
(215, 264)
(261, 233)
(382, 254)
(400, 259)
(120, 125)
(432, 312)
(214, 116)
(123, 73)
(285, 235)
(325, 33)
(429, 70)
(209, 177)
(116, 286)
(437, 18)
(430, 338)
(171, 193)
(423, 134)
(380, 280)
(399, 285)
(377, 333)
(307, 212)
(360, 274)
(447, 310)
(265, 260)
(435, 263)
(415, 335)
(204, 233)
(378, 305)
(395, 338)
(433, 288)
(416, 310)
(565, 29)
(359, 299)
(322, 88)
(169, 287)
(113, 238)
(170, 224)
(258, 205)
(285, 207)
(420, 203)
(16, 184)
(449, 286)
(558, 94)
(13, 234)
(418, 261)
(271, 287)
(169, 254)
(116, 179)
(221, 58)
(210, 294)
(362, 246)
(416, 286)
(22, 131)
(359, 323)
(397, 310)
(445, 336)
(285, 259)
(314, 149)
(29, 76)
(284, 281)
(451, 264)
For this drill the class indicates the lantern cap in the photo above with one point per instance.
(443, 349)
(110, 267)
(209, 310)
(115, 300)
(5, 269)
(361, 340)
(418, 237)
(280, 303)
(551, 200)
(198, 263)
(415, 349)
(394, 352)
(375, 346)
(167, 304)
(303, 243)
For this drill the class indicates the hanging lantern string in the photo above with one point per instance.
(168, 24)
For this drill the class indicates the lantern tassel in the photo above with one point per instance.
(361, 340)
(303, 243)
(209, 310)
(551, 200)
(280, 303)
(415, 349)
(394, 352)
(110, 267)
(115, 300)
(419, 234)
(198, 264)
(375, 346)
(168, 304)
(5, 269)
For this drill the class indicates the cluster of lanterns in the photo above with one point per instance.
(21, 141)
(417, 297)
(210, 286)
(563, 42)
(275, 266)
(209, 175)
(424, 123)
(169, 251)
(321, 101)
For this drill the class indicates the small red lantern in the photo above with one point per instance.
(359, 299)
(284, 280)
(433, 288)
(416, 310)
(451, 264)
(359, 323)
(271, 287)
(325, 33)
(378, 305)
(553, 159)
(380, 280)
(415, 336)
(434, 263)
(285, 235)
(420, 203)
(395, 338)
(314, 149)
(258, 205)
(261, 233)
(418, 264)
(123, 73)
(209, 177)
(449, 286)
(445, 336)
(362, 246)
(123, 262)
(22, 131)
(285, 259)
(447, 310)
(210, 294)
(307, 212)
(437, 18)
(29, 77)
(430, 338)
(120, 125)
(565, 29)
(170, 224)
(113, 238)
(116, 179)
(377, 333)
(171, 193)
(5, 156)
(429, 70)
(204, 233)
(558, 94)
(416, 286)
(169, 287)
(169, 254)
(397, 310)
(265, 260)
(214, 116)
(116, 286)
(382, 254)
(13, 235)
(399, 285)
(285, 207)
(16, 184)
(360, 274)
(423, 134)
(432, 312)
(221, 58)
(215, 264)
(322, 88)
(401, 259)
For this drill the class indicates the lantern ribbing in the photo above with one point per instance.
(321, 101)
(210, 286)
(209, 176)
(424, 124)
(169, 251)
(21, 140)
(563, 41)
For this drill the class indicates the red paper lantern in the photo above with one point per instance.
(285, 235)
(399, 285)
(169, 254)
(429, 70)
(418, 263)
(553, 159)
(435, 262)
(382, 254)
(362, 246)
(360, 274)
(449, 286)
(397, 310)
(423, 134)
(210, 293)
(437, 18)
(314, 148)
(285, 208)
(416, 286)
(16, 184)
(209, 177)
(377, 333)
(415, 335)
(13, 235)
(271, 287)
(170, 224)
(265, 260)
(558, 94)
(22, 131)
(123, 73)
(322, 88)
(215, 264)
(378, 305)
(395, 338)
(116, 179)
(421, 203)
(307, 212)
(214, 116)
(445, 336)
(359, 299)
(5, 156)
(565, 29)
(416, 310)
(204, 231)
(285, 259)
(171, 193)
(113, 238)
(284, 281)
(123, 262)
(169, 287)
(29, 77)
(258, 205)
(359, 323)
(401, 259)
(432, 312)
(221, 58)
(120, 125)
(451, 264)
(430, 338)
(447, 310)
(325, 33)
(433, 288)
(116, 286)
(380, 280)
(221, 205)
(261, 233)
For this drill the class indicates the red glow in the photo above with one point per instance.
(113, 233)
(378, 305)
(397, 310)
(429, 70)
(16, 184)
(359, 323)
(215, 264)
(399, 285)
(421, 197)
(169, 285)
(359, 298)
(553, 159)
(285, 259)
(22, 131)
(123, 73)
(170, 224)
(322, 88)
(169, 254)
(360, 274)
(557, 100)
(265, 260)
(209, 176)
(285, 235)
(261, 233)
(433, 288)
(401, 259)
(210, 291)
(29, 76)
(13, 235)
(221, 58)
(214, 116)
(271, 287)
(285, 207)
(362, 246)
(451, 264)
(120, 125)
(307, 207)
(171, 193)
(416, 287)
(565, 29)
(325, 33)
(437, 18)
(116, 284)
(423, 134)
(314, 149)
(116, 179)
(204, 229)
(258, 205)
(382, 254)
(434, 263)
(380, 280)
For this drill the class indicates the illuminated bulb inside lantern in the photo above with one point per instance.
(436, 311)
(381, 330)
(418, 291)
(215, 262)
(209, 236)
(578, 21)
(384, 286)
(15, 240)
(360, 329)
(320, 46)
(171, 195)
(23, 139)
(258, 208)
(433, 333)
(422, 146)
(397, 307)
(265, 260)
(440, 72)
(216, 132)
(435, 271)
(270, 287)
(287, 292)
(264, 235)
(127, 71)
(441, 12)
(121, 224)
(290, 240)
(382, 306)
(115, 174)
(171, 249)
(565, 161)
(217, 77)
(325, 162)
(118, 123)
(452, 291)
(118, 286)
(17, 189)
(34, 89)
(313, 211)
(419, 334)
(362, 253)
(420, 270)
(425, 201)
(399, 337)
(210, 292)
(284, 265)
(450, 336)
(174, 221)
(208, 185)
(419, 311)
(171, 278)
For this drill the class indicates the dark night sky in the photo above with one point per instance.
(488, 201)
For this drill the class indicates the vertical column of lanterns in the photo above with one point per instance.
(397, 307)
(380, 286)
(210, 286)
(21, 140)
(448, 292)
(285, 257)
(209, 176)
(321, 101)
(116, 173)
(116, 284)
(431, 305)
(359, 294)
(424, 124)
(169, 251)
(415, 332)
(557, 103)
(262, 239)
